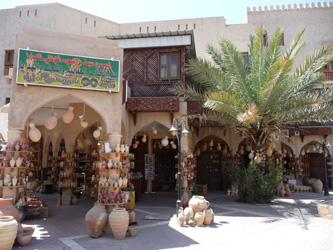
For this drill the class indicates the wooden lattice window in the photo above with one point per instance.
(9, 60)
(328, 71)
(169, 65)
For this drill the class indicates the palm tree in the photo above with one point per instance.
(262, 98)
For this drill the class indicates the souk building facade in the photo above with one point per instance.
(151, 58)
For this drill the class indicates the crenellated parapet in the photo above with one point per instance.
(291, 7)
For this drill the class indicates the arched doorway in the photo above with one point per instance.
(210, 163)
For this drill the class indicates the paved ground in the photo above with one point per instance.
(290, 223)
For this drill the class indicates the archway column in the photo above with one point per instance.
(114, 138)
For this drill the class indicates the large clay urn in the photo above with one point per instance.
(68, 115)
(317, 186)
(198, 203)
(34, 133)
(8, 231)
(96, 220)
(7, 208)
(118, 220)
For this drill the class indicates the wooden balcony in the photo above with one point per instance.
(328, 75)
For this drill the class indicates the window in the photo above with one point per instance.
(246, 59)
(20, 14)
(86, 20)
(194, 26)
(35, 12)
(178, 26)
(140, 29)
(9, 60)
(328, 71)
(28, 13)
(186, 26)
(148, 29)
(155, 28)
(265, 38)
(169, 65)
(94, 23)
(282, 39)
(7, 100)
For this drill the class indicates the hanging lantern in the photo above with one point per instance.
(34, 133)
(68, 115)
(165, 141)
(257, 159)
(52, 121)
(154, 129)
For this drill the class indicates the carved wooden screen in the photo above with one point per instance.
(141, 69)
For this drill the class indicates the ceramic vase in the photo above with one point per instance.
(181, 217)
(122, 148)
(107, 147)
(117, 148)
(131, 215)
(51, 122)
(14, 181)
(132, 230)
(188, 212)
(18, 162)
(8, 231)
(219, 146)
(208, 216)
(7, 179)
(34, 133)
(198, 203)
(199, 219)
(257, 159)
(118, 220)
(96, 220)
(17, 147)
(68, 115)
(7, 208)
(12, 162)
(110, 164)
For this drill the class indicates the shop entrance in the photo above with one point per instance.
(210, 169)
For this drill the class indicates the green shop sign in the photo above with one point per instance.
(67, 71)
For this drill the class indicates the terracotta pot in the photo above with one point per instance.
(132, 230)
(96, 220)
(7, 208)
(198, 203)
(188, 212)
(19, 161)
(208, 214)
(199, 219)
(8, 231)
(317, 186)
(118, 220)
(23, 239)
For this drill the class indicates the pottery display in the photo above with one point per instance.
(118, 220)
(198, 203)
(68, 115)
(96, 220)
(34, 133)
(51, 122)
(208, 216)
(8, 209)
(8, 231)
(199, 219)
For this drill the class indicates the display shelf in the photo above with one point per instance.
(14, 167)
(20, 186)
(13, 152)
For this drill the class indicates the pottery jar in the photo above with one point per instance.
(122, 148)
(96, 220)
(8, 209)
(8, 231)
(208, 216)
(198, 203)
(188, 212)
(181, 217)
(12, 162)
(117, 148)
(7, 179)
(18, 162)
(317, 186)
(199, 219)
(118, 220)
(131, 215)
(14, 181)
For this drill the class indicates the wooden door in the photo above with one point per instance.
(316, 166)
(210, 169)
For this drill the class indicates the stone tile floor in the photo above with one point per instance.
(286, 223)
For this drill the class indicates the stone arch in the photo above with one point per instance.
(27, 115)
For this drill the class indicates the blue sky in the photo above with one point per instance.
(127, 11)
